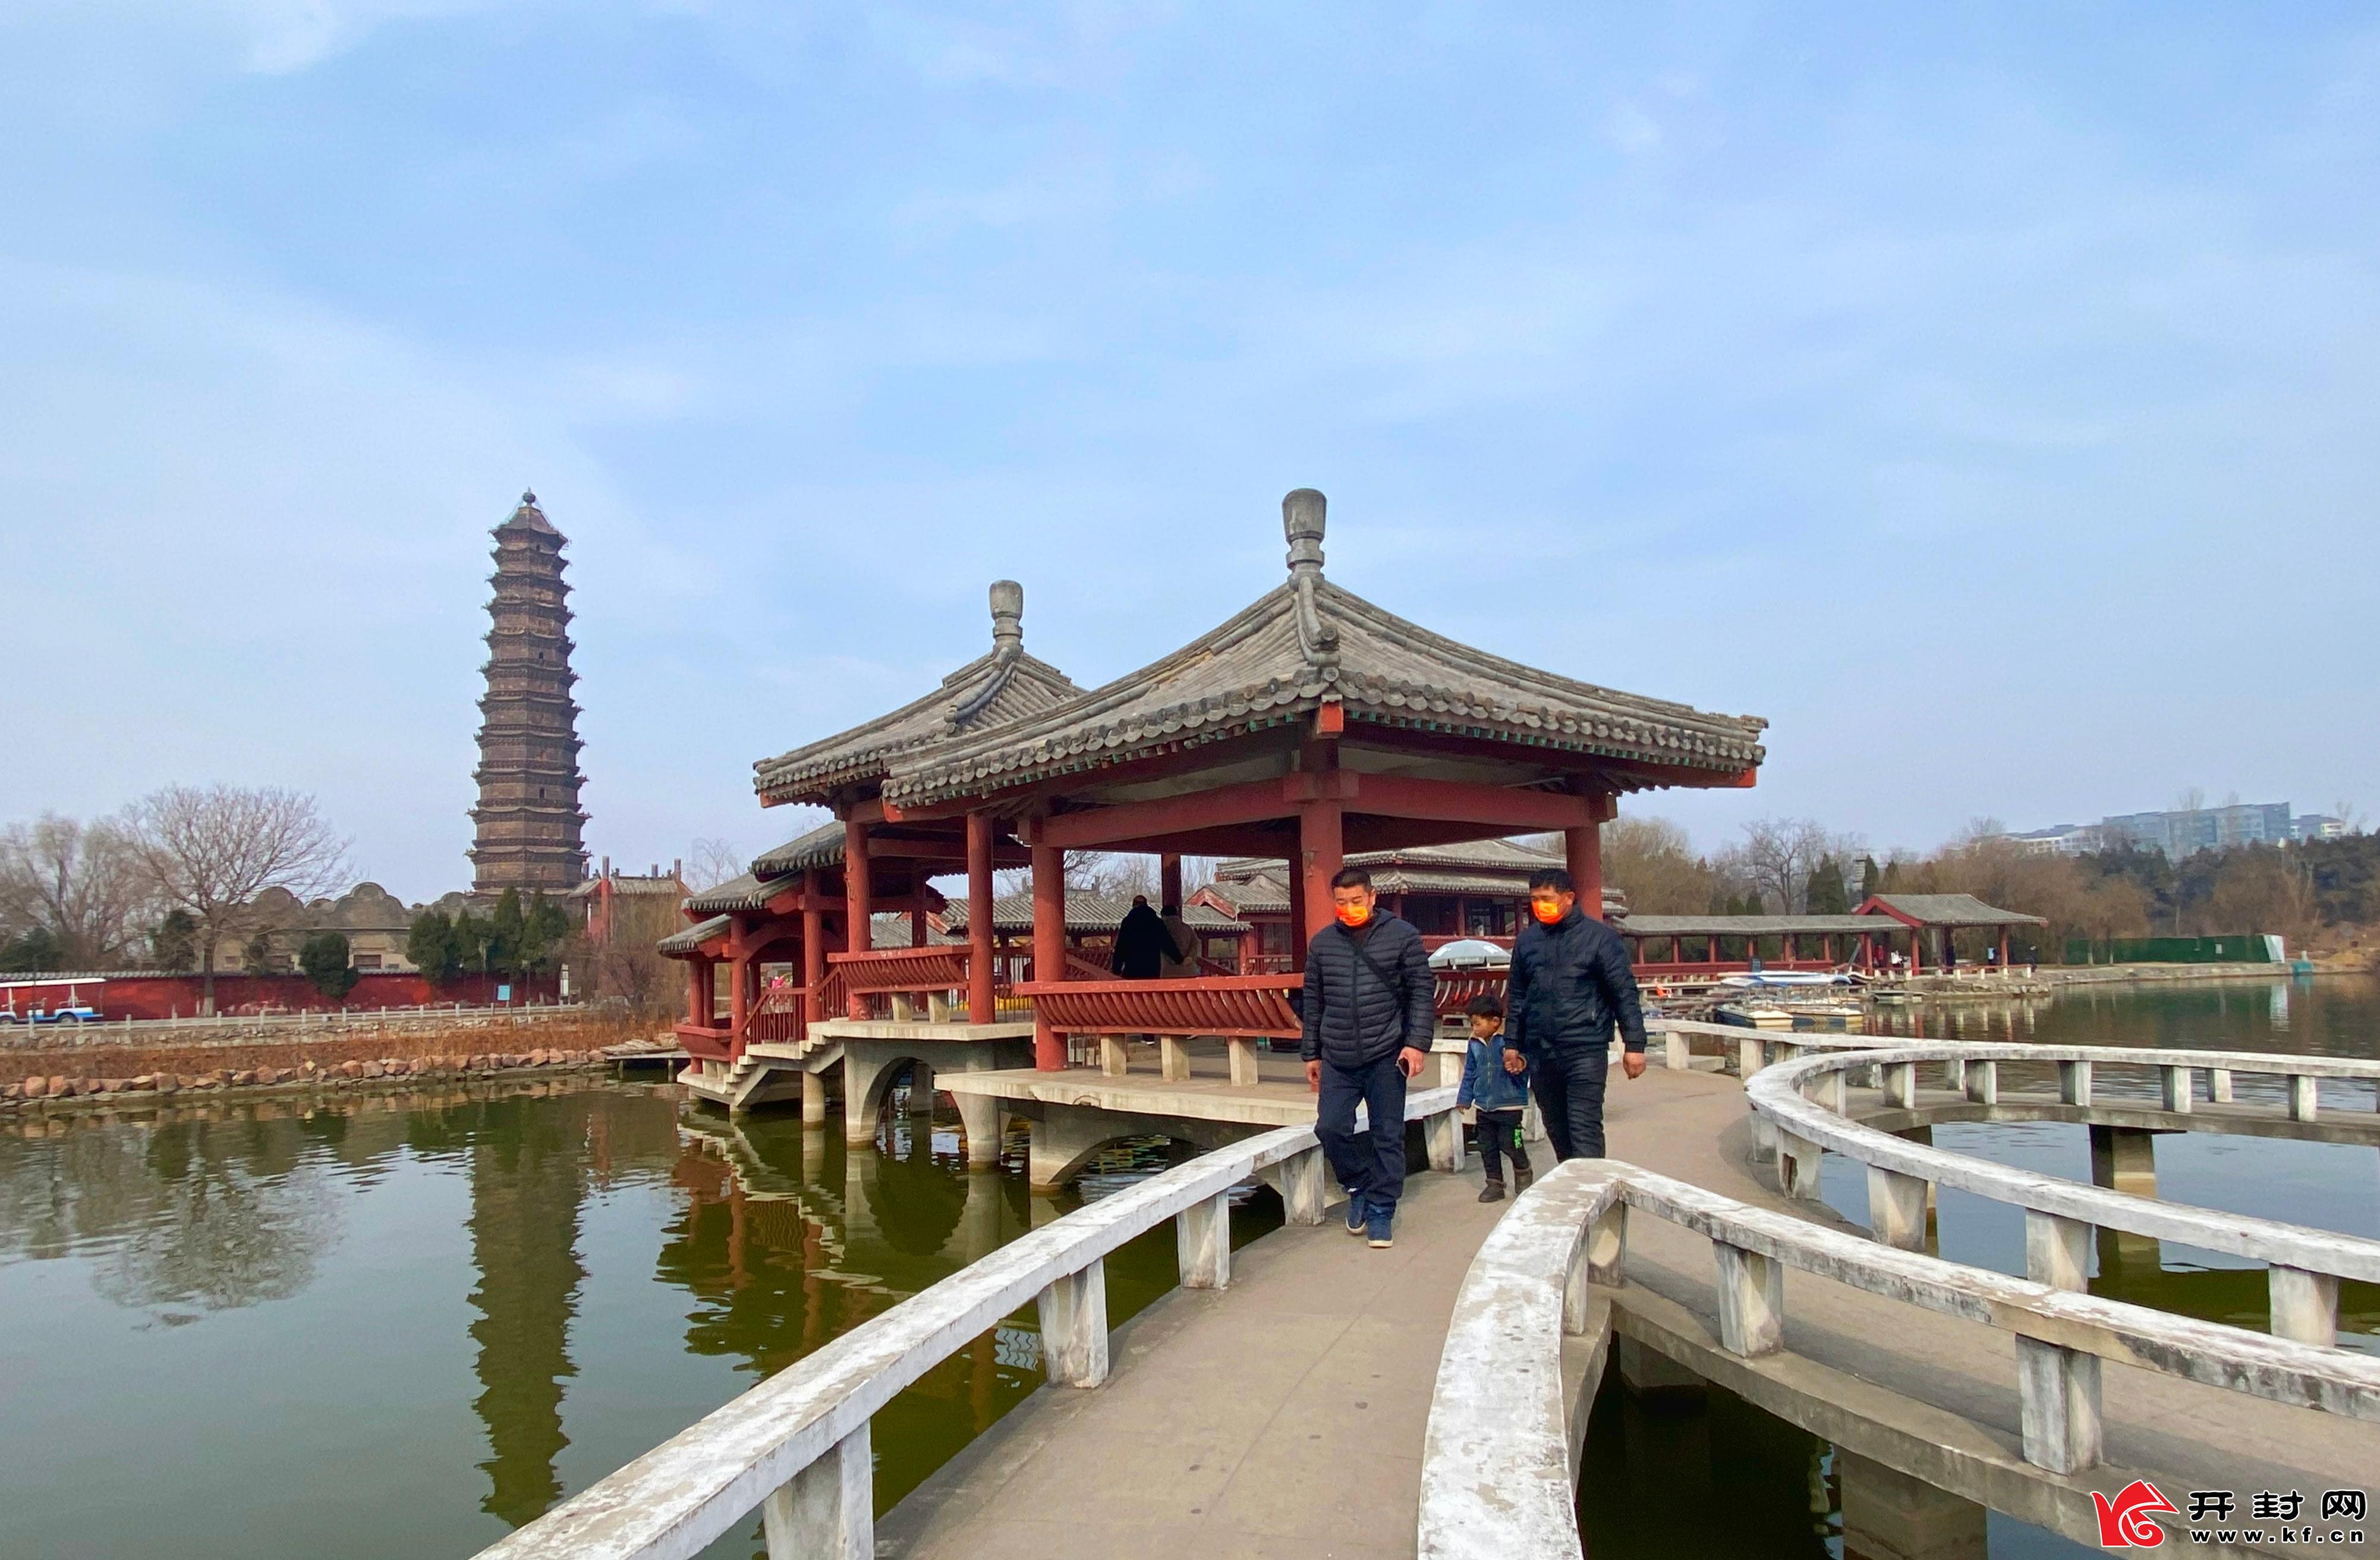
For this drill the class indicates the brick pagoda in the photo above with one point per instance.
(528, 823)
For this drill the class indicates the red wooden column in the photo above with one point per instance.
(739, 993)
(979, 912)
(858, 930)
(1168, 880)
(1049, 947)
(1297, 917)
(1582, 853)
(698, 993)
(813, 959)
(1320, 855)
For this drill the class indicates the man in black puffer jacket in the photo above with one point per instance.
(1369, 1009)
(1571, 983)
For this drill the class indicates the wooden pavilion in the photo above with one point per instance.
(1309, 725)
(1932, 921)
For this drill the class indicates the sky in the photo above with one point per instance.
(1987, 397)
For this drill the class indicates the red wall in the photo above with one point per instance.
(165, 996)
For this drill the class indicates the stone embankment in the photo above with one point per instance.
(125, 1075)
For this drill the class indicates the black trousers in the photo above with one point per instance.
(1499, 1133)
(1370, 1164)
(1569, 1086)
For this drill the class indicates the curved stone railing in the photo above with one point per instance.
(796, 1447)
(1497, 1459)
(2305, 1265)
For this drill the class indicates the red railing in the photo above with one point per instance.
(713, 1042)
(1232, 1006)
(943, 968)
(1457, 987)
(777, 1018)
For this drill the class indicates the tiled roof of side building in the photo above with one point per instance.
(1003, 686)
(1310, 642)
(1955, 910)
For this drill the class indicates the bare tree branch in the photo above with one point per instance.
(211, 850)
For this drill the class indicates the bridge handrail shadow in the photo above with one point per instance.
(796, 1447)
(1506, 1423)
(2304, 1264)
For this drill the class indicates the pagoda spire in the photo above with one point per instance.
(529, 826)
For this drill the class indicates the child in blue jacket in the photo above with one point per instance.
(1496, 1079)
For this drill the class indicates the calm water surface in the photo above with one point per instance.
(404, 1327)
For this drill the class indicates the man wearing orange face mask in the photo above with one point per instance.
(1571, 985)
(1369, 1012)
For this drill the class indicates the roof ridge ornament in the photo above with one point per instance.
(1303, 514)
(1007, 650)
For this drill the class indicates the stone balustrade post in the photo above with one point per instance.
(1896, 1208)
(1901, 1084)
(2074, 1083)
(1074, 1328)
(2304, 1099)
(1305, 1187)
(1984, 1082)
(1677, 1051)
(1750, 1055)
(2057, 1398)
(1750, 1301)
(1243, 1062)
(828, 1510)
(1607, 1243)
(1202, 1239)
(2057, 1251)
(2178, 1086)
(2305, 1305)
(1442, 1134)
(2219, 1085)
(1797, 1166)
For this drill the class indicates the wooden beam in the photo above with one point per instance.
(1250, 802)
(1404, 796)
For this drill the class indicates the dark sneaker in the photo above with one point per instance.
(1377, 1228)
(1355, 1212)
(1493, 1192)
(1522, 1176)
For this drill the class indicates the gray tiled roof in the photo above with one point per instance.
(1303, 644)
(822, 846)
(1956, 910)
(749, 892)
(1084, 912)
(1744, 926)
(1002, 686)
(694, 936)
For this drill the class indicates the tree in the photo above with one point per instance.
(714, 861)
(1827, 896)
(1653, 863)
(1870, 879)
(255, 955)
(545, 929)
(174, 943)
(1778, 855)
(500, 949)
(432, 946)
(31, 951)
(2260, 889)
(80, 882)
(210, 850)
(323, 959)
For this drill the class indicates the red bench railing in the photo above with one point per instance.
(1234, 1007)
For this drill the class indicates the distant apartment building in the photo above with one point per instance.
(2183, 831)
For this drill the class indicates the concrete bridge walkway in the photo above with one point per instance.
(1285, 1415)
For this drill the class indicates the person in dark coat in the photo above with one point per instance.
(1369, 1007)
(1571, 985)
(1142, 944)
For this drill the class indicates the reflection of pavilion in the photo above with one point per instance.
(1309, 726)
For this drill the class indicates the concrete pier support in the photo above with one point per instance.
(813, 1099)
(985, 1122)
(1888, 1514)
(2124, 1159)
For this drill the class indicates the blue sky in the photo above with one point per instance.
(1986, 396)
